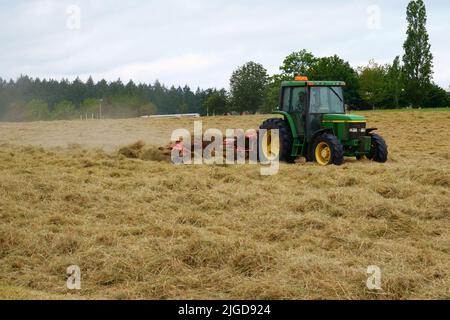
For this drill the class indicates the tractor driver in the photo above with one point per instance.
(299, 100)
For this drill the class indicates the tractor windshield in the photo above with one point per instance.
(327, 100)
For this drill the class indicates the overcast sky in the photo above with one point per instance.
(200, 42)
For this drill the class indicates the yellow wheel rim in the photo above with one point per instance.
(271, 145)
(323, 154)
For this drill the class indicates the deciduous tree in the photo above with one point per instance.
(248, 87)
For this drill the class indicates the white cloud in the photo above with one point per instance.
(168, 70)
(200, 42)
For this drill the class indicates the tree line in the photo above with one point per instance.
(29, 99)
(406, 82)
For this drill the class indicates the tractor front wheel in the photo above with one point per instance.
(327, 149)
(273, 145)
(379, 149)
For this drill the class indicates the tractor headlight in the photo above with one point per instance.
(363, 130)
(353, 130)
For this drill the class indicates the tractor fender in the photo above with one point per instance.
(320, 132)
(371, 130)
(290, 121)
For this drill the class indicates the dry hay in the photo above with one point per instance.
(139, 149)
(148, 229)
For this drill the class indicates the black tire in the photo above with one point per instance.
(337, 149)
(379, 149)
(286, 139)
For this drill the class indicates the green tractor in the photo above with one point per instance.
(317, 127)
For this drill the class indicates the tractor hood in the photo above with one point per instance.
(343, 118)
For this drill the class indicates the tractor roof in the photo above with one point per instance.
(313, 83)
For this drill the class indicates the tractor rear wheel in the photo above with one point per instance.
(379, 149)
(327, 149)
(272, 145)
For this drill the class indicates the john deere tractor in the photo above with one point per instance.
(315, 125)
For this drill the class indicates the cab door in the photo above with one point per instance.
(298, 109)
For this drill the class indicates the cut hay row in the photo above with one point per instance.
(149, 229)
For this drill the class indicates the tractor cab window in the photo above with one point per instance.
(299, 99)
(294, 99)
(286, 99)
(327, 100)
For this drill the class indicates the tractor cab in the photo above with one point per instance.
(317, 126)
(309, 101)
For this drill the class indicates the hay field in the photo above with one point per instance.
(150, 230)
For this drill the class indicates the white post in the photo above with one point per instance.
(100, 115)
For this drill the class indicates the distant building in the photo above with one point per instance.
(177, 116)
